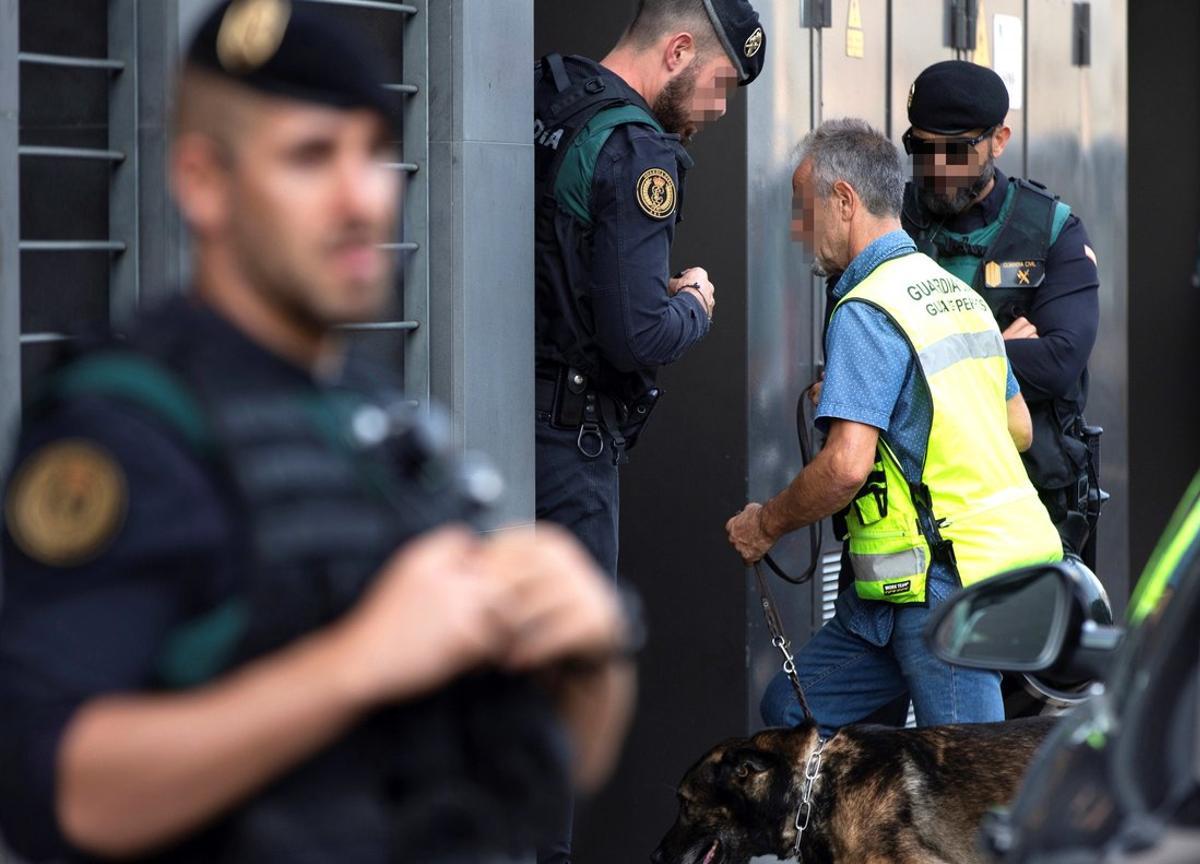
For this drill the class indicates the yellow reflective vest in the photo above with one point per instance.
(973, 502)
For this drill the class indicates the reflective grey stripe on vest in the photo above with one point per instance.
(889, 566)
(956, 347)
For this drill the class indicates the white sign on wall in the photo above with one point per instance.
(1008, 51)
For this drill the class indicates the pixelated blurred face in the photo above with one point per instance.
(814, 223)
(698, 95)
(950, 170)
(715, 82)
(314, 194)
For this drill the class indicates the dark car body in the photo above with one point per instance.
(1119, 778)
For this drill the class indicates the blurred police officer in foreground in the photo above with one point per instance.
(609, 141)
(239, 623)
(1023, 250)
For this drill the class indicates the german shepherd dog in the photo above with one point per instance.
(882, 795)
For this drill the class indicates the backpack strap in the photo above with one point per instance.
(137, 379)
(562, 81)
(573, 182)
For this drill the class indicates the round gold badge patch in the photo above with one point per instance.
(754, 43)
(251, 32)
(656, 193)
(66, 502)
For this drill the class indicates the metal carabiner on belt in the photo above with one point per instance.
(586, 430)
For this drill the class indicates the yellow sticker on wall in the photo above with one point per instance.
(856, 43)
(983, 51)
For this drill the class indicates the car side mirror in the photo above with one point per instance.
(1035, 619)
(1014, 622)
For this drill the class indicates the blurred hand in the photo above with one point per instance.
(555, 602)
(746, 534)
(1022, 328)
(429, 617)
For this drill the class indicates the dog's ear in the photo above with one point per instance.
(746, 762)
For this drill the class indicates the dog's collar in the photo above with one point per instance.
(811, 771)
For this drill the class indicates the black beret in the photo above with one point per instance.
(298, 50)
(956, 96)
(741, 33)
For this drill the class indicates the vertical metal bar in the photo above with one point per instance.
(123, 222)
(160, 229)
(415, 149)
(10, 223)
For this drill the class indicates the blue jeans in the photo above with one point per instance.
(845, 677)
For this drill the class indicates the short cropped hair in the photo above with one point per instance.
(656, 18)
(851, 150)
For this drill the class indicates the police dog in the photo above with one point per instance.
(881, 795)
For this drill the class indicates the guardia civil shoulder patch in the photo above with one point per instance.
(66, 503)
(656, 193)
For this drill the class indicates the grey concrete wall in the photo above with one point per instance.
(1077, 145)
(481, 231)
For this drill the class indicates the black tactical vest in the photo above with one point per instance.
(328, 481)
(568, 93)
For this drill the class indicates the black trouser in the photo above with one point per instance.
(579, 492)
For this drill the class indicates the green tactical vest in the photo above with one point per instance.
(1004, 261)
(573, 185)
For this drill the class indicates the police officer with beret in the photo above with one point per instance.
(610, 167)
(1028, 255)
(239, 621)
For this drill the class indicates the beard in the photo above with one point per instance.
(672, 107)
(951, 202)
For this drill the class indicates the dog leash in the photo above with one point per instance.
(779, 639)
(811, 772)
(770, 609)
(816, 529)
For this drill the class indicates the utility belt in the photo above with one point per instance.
(566, 397)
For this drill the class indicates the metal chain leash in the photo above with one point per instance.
(811, 771)
(779, 639)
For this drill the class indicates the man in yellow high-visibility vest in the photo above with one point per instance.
(924, 422)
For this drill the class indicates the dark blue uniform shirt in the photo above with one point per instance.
(71, 634)
(618, 262)
(1065, 308)
(638, 325)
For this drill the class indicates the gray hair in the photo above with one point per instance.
(849, 149)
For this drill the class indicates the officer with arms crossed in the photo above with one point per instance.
(1027, 256)
(609, 141)
(924, 421)
(239, 623)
